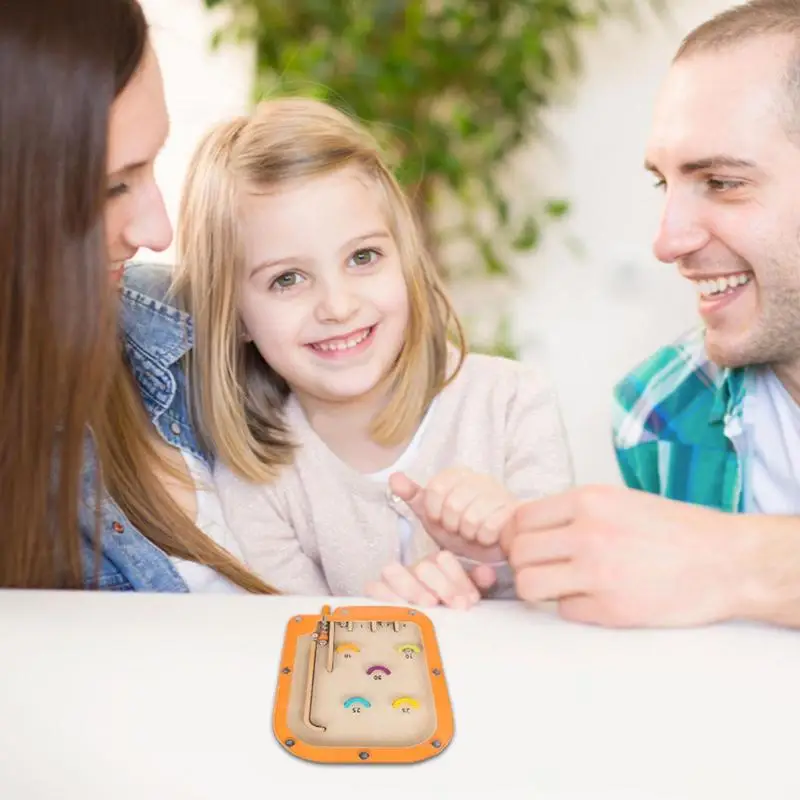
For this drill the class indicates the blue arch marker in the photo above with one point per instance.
(353, 700)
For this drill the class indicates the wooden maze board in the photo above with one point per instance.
(362, 684)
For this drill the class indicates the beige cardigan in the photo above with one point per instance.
(323, 528)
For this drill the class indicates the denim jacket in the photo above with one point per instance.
(156, 336)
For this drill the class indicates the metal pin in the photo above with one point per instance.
(331, 648)
(312, 660)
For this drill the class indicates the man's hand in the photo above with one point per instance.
(462, 511)
(621, 558)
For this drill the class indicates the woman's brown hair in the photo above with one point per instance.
(62, 373)
(62, 63)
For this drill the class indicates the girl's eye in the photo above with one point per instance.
(286, 281)
(363, 258)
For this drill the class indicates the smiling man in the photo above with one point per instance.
(714, 418)
(710, 424)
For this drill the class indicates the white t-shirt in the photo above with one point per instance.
(405, 530)
(769, 441)
(210, 520)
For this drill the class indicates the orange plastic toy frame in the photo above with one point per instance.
(317, 627)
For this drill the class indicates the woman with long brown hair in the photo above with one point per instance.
(97, 454)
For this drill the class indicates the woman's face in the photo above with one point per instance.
(138, 128)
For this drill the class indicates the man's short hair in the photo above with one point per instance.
(745, 21)
(752, 20)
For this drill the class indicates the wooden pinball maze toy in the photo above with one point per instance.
(362, 685)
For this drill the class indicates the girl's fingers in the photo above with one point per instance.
(378, 590)
(446, 578)
(494, 523)
(461, 581)
(402, 582)
(483, 576)
(460, 497)
(438, 490)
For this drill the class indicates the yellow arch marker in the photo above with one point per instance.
(405, 647)
(405, 701)
(348, 646)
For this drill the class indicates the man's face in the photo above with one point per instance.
(721, 150)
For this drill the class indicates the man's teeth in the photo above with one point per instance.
(343, 344)
(716, 286)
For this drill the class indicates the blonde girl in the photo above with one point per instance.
(354, 434)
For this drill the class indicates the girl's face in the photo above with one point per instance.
(323, 296)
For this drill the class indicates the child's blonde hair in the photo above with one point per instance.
(237, 398)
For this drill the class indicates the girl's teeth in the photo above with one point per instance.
(710, 288)
(344, 345)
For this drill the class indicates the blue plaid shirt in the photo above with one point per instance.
(674, 419)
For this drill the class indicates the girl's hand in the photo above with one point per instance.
(437, 580)
(462, 511)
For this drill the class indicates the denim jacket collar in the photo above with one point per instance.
(154, 327)
(156, 336)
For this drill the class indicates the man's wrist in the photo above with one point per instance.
(767, 569)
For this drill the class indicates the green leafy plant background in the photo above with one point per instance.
(453, 88)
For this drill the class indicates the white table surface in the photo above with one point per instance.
(160, 697)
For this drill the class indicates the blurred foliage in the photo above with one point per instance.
(502, 343)
(452, 87)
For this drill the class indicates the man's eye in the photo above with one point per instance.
(117, 189)
(720, 185)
